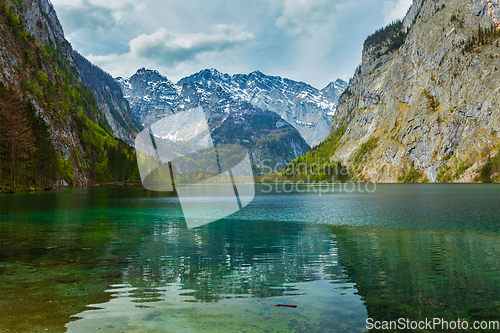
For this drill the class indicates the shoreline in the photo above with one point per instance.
(60, 187)
(56, 188)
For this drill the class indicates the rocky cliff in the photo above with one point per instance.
(39, 73)
(41, 21)
(423, 105)
(30, 36)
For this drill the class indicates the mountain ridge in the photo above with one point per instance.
(269, 138)
(110, 99)
(306, 108)
(303, 106)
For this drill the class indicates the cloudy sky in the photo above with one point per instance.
(315, 41)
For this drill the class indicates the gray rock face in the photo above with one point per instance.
(433, 104)
(42, 22)
(40, 19)
(52, 55)
(270, 139)
(309, 110)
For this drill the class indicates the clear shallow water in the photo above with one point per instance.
(120, 259)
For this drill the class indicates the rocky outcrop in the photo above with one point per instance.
(42, 22)
(432, 104)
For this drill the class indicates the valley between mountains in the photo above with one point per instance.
(421, 107)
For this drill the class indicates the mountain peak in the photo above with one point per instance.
(206, 77)
(336, 85)
(340, 82)
(257, 73)
(213, 71)
(152, 73)
(143, 70)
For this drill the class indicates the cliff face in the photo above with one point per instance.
(38, 68)
(41, 21)
(23, 57)
(427, 109)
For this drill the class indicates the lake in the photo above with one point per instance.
(121, 259)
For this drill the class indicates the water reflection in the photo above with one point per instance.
(241, 270)
(249, 254)
(423, 274)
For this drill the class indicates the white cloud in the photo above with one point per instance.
(395, 9)
(113, 4)
(167, 47)
(298, 16)
(108, 4)
(118, 64)
(167, 50)
(99, 12)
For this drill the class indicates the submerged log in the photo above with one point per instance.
(285, 305)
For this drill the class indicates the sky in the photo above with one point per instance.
(314, 41)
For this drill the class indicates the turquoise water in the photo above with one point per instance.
(120, 259)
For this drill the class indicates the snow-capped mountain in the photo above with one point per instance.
(306, 108)
(269, 138)
(333, 91)
(151, 95)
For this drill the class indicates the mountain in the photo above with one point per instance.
(423, 105)
(51, 126)
(270, 139)
(110, 99)
(150, 94)
(333, 91)
(306, 108)
(309, 110)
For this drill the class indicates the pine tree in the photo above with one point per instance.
(480, 36)
(17, 140)
(44, 158)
